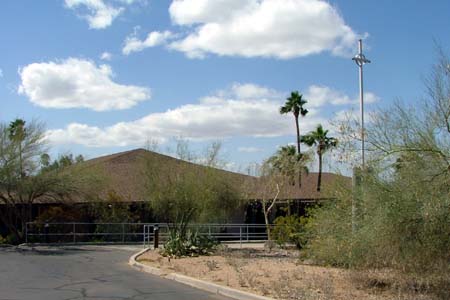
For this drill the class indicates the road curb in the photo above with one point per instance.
(194, 282)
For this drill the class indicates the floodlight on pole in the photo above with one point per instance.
(361, 60)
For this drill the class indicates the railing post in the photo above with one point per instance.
(144, 234)
(74, 233)
(240, 235)
(155, 236)
(247, 233)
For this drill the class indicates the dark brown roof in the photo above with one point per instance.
(306, 192)
(126, 173)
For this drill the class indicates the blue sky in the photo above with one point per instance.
(108, 75)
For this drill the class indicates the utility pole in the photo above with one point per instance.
(361, 60)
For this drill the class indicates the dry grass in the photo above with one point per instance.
(279, 274)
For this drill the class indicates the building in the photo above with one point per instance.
(124, 176)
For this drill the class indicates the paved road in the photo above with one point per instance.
(71, 273)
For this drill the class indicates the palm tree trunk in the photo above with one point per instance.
(20, 161)
(298, 134)
(298, 150)
(319, 177)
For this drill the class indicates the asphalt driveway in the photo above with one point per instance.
(89, 272)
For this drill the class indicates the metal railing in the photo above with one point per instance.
(78, 233)
(241, 233)
(128, 233)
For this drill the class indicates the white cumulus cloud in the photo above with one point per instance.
(134, 44)
(100, 14)
(204, 11)
(249, 91)
(243, 91)
(260, 28)
(319, 95)
(222, 118)
(224, 114)
(1, 73)
(249, 149)
(106, 56)
(77, 83)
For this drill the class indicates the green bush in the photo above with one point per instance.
(185, 242)
(395, 223)
(398, 214)
(289, 229)
(11, 239)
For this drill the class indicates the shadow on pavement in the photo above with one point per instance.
(55, 251)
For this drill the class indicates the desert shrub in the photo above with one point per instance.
(398, 218)
(185, 242)
(205, 195)
(60, 214)
(329, 231)
(289, 229)
(12, 239)
(399, 215)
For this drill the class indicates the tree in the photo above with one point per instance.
(17, 134)
(323, 143)
(184, 192)
(45, 160)
(23, 179)
(273, 175)
(271, 183)
(79, 159)
(288, 162)
(295, 104)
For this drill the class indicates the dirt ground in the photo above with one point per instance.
(278, 274)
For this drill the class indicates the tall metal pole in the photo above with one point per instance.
(361, 106)
(360, 60)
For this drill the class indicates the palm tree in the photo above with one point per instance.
(323, 142)
(295, 104)
(17, 134)
(288, 162)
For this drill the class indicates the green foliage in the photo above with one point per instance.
(329, 231)
(204, 194)
(287, 162)
(185, 242)
(62, 162)
(399, 215)
(25, 176)
(323, 143)
(112, 209)
(289, 229)
(295, 104)
(396, 222)
(190, 244)
(10, 239)
(60, 214)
